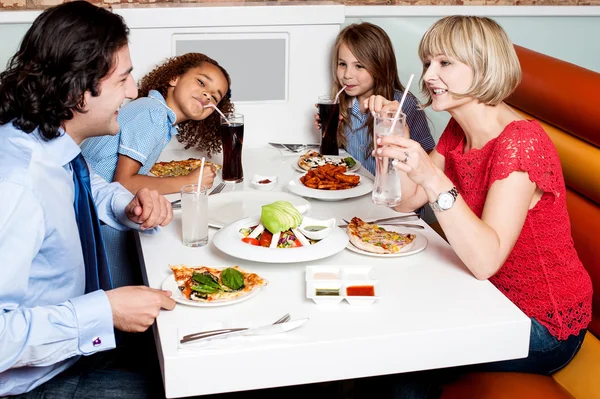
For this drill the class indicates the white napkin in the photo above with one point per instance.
(236, 342)
(287, 153)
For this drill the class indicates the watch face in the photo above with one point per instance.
(445, 201)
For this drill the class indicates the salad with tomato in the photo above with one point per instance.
(287, 239)
(277, 228)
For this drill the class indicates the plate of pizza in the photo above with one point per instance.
(383, 240)
(179, 168)
(205, 286)
(312, 159)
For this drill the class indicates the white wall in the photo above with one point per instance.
(568, 33)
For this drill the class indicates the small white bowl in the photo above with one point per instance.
(308, 222)
(356, 300)
(256, 182)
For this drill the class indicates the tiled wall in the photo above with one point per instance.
(37, 4)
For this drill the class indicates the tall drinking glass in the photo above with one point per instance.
(232, 137)
(329, 114)
(387, 190)
(194, 215)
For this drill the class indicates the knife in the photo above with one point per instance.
(264, 330)
(410, 226)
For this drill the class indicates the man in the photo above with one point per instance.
(65, 84)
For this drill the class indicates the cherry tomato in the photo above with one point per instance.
(296, 243)
(251, 241)
(265, 239)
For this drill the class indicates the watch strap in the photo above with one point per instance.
(436, 207)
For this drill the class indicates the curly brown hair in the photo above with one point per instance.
(204, 134)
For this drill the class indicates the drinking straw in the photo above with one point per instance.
(219, 111)
(200, 175)
(402, 102)
(337, 96)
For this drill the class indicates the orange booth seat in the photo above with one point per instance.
(562, 96)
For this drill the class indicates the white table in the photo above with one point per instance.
(433, 312)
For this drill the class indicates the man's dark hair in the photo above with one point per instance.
(66, 52)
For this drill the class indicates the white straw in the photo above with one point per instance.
(337, 96)
(402, 102)
(219, 111)
(200, 175)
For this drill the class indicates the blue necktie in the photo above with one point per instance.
(97, 273)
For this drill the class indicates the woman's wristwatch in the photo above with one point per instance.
(445, 200)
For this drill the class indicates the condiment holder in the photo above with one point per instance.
(329, 285)
(316, 229)
(264, 183)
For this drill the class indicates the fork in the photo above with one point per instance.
(409, 225)
(206, 334)
(297, 148)
(217, 189)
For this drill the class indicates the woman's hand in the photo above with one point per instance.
(409, 157)
(379, 104)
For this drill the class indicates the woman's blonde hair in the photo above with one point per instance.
(480, 43)
(373, 48)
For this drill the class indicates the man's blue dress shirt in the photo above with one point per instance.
(46, 321)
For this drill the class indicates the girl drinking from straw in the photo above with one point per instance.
(365, 64)
(496, 185)
(176, 98)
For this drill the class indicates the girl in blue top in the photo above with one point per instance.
(172, 101)
(364, 61)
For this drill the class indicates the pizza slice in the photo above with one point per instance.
(179, 168)
(313, 159)
(376, 239)
(206, 284)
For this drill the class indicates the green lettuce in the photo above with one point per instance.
(280, 216)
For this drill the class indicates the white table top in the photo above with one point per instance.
(432, 313)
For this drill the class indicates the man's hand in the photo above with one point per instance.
(135, 308)
(150, 209)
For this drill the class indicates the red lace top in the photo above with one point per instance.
(543, 275)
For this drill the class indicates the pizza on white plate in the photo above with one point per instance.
(376, 239)
(313, 159)
(207, 284)
(179, 168)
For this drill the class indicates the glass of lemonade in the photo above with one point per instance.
(387, 190)
(194, 215)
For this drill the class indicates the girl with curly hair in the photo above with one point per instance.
(173, 100)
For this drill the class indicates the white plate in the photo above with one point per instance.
(171, 285)
(226, 208)
(364, 187)
(352, 169)
(419, 244)
(229, 240)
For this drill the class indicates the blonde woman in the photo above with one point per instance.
(495, 183)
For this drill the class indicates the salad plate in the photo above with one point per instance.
(229, 241)
(365, 186)
(226, 208)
